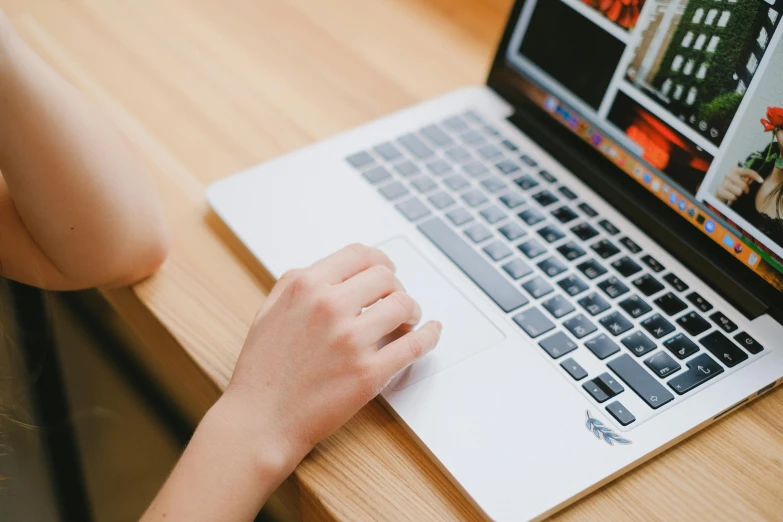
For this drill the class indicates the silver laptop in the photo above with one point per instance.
(607, 272)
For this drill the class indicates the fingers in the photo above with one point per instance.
(755, 176)
(369, 286)
(395, 357)
(348, 262)
(386, 316)
(725, 196)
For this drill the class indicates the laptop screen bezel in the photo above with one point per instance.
(736, 282)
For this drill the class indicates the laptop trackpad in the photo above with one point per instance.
(465, 329)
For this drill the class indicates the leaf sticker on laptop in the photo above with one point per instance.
(602, 432)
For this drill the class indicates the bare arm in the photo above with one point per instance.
(309, 363)
(77, 207)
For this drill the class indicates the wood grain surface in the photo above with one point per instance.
(205, 88)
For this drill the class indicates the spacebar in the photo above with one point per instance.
(486, 276)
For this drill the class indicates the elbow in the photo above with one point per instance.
(146, 255)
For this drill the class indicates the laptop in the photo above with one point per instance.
(607, 269)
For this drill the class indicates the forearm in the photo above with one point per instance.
(226, 473)
(83, 195)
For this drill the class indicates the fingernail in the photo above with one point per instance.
(439, 326)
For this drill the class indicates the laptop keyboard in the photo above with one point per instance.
(569, 278)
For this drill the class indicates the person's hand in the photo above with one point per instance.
(779, 136)
(311, 360)
(736, 183)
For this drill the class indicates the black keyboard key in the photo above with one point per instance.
(531, 216)
(681, 346)
(548, 176)
(605, 249)
(662, 364)
(579, 326)
(609, 227)
(573, 285)
(602, 346)
(641, 382)
(360, 159)
(459, 155)
(475, 169)
(388, 152)
(595, 391)
(517, 269)
(474, 198)
(557, 345)
(486, 276)
(594, 303)
(626, 266)
(472, 138)
(455, 123)
(552, 266)
(749, 343)
(638, 343)
(724, 322)
(407, 169)
(537, 287)
(551, 233)
(376, 175)
(613, 287)
(456, 182)
(620, 413)
(630, 244)
(497, 251)
(416, 147)
(512, 200)
(533, 322)
(493, 184)
(591, 268)
(567, 193)
(658, 326)
(438, 167)
(693, 323)
(512, 231)
(723, 348)
(545, 198)
(609, 384)
(588, 210)
(648, 285)
(393, 190)
(571, 251)
(584, 231)
(459, 216)
(489, 151)
(423, 184)
(675, 282)
(699, 302)
(492, 214)
(616, 323)
(670, 304)
(527, 160)
(436, 136)
(573, 369)
(700, 370)
(653, 263)
(509, 145)
(558, 306)
(564, 214)
(491, 131)
(478, 233)
(635, 306)
(507, 167)
(532, 248)
(441, 200)
(413, 209)
(526, 182)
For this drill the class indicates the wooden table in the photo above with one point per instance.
(208, 87)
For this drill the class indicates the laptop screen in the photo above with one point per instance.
(685, 96)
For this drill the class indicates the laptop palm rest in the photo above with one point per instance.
(466, 330)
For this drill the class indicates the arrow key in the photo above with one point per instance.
(701, 369)
(574, 369)
(620, 413)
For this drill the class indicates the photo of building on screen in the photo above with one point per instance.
(696, 58)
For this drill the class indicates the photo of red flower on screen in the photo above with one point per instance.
(664, 148)
(624, 13)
